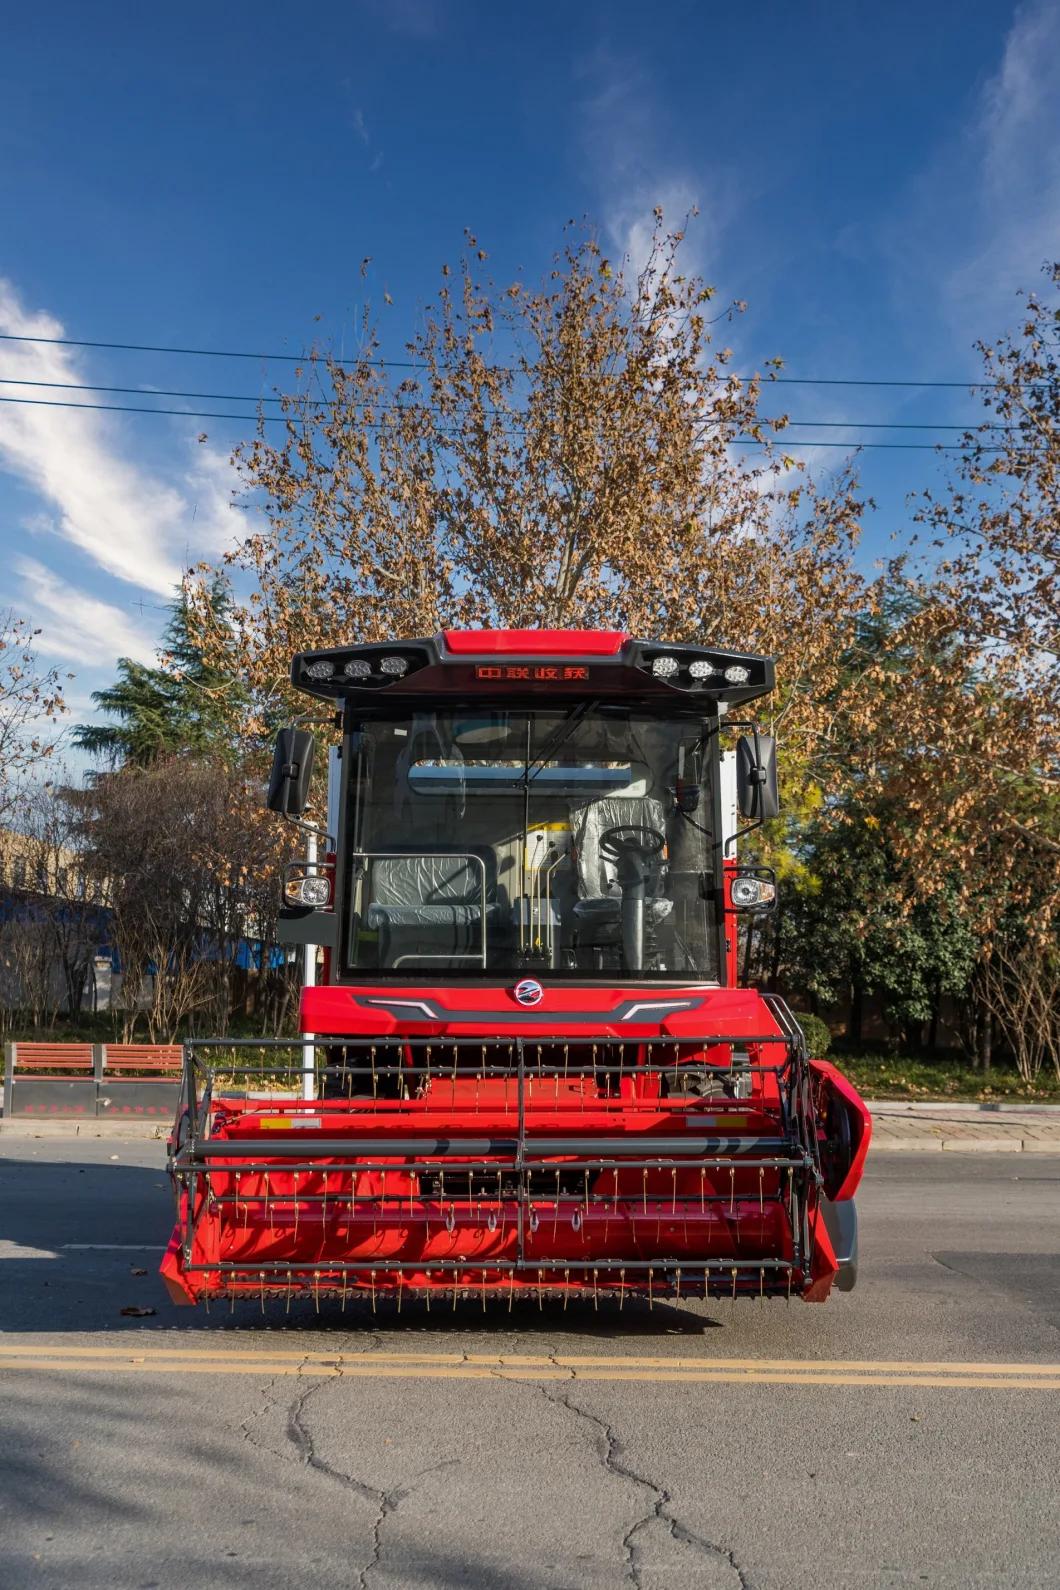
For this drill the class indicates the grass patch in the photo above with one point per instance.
(881, 1076)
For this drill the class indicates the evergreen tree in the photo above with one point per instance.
(183, 705)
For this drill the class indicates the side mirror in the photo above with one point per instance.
(756, 777)
(292, 768)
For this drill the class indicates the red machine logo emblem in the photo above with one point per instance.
(528, 992)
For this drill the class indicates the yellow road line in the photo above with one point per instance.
(265, 1357)
(481, 1372)
(451, 1366)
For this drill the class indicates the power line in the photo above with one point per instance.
(278, 419)
(198, 353)
(434, 408)
(141, 391)
(411, 364)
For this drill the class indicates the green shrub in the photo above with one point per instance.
(818, 1038)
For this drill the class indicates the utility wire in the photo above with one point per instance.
(434, 408)
(279, 419)
(411, 364)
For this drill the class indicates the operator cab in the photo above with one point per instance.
(498, 814)
(494, 841)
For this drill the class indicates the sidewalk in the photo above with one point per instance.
(901, 1125)
(898, 1126)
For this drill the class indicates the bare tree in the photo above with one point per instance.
(31, 700)
(1018, 991)
(187, 866)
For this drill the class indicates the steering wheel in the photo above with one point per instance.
(626, 837)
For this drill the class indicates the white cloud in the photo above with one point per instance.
(76, 627)
(984, 215)
(630, 218)
(131, 524)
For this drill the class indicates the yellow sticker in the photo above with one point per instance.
(283, 1122)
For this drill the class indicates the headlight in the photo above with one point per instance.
(664, 667)
(746, 893)
(701, 669)
(394, 666)
(737, 674)
(322, 668)
(357, 668)
(314, 890)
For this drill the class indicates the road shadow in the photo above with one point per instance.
(81, 1242)
(86, 1468)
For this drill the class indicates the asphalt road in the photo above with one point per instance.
(905, 1434)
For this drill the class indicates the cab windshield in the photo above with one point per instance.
(574, 840)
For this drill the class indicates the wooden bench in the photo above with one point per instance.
(53, 1059)
(153, 1059)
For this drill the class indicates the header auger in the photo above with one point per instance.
(529, 1068)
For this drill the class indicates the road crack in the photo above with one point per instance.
(385, 1501)
(609, 1451)
(266, 1406)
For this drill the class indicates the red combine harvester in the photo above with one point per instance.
(529, 1067)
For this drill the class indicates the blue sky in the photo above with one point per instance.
(875, 182)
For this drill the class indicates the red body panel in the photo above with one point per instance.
(858, 1116)
(351, 1010)
(559, 643)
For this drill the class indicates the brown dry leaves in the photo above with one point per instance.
(562, 456)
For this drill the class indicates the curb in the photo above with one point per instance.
(113, 1129)
(964, 1145)
(911, 1109)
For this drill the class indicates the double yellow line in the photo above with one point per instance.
(152, 1359)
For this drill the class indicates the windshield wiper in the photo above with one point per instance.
(559, 737)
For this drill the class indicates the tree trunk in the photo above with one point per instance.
(856, 1021)
(986, 1038)
(933, 1024)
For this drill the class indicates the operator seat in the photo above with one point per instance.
(427, 908)
(598, 910)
